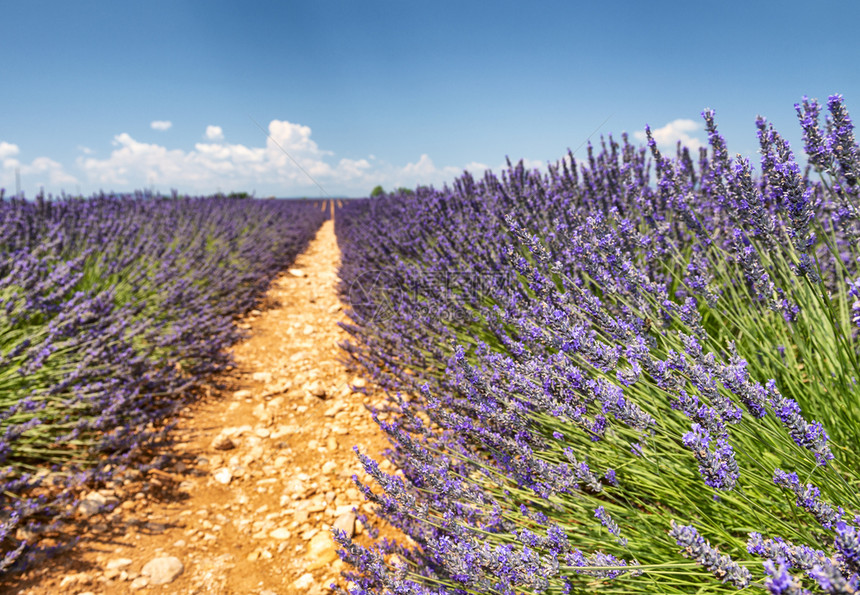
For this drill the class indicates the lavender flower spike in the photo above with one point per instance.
(780, 582)
(697, 547)
(606, 520)
(809, 498)
(718, 468)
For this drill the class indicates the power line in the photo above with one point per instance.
(588, 138)
(277, 144)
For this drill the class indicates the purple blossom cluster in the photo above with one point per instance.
(595, 339)
(113, 309)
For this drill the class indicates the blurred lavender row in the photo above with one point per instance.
(114, 308)
(602, 369)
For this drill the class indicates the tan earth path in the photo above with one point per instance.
(260, 472)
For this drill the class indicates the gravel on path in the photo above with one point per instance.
(260, 472)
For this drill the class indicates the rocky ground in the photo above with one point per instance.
(260, 472)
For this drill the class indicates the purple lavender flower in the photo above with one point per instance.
(809, 498)
(848, 545)
(606, 520)
(785, 552)
(718, 468)
(841, 140)
(829, 578)
(780, 582)
(811, 436)
(697, 547)
(614, 567)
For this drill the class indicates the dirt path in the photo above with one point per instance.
(260, 471)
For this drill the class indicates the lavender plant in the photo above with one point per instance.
(653, 388)
(112, 309)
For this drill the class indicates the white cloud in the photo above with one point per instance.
(676, 130)
(41, 171)
(161, 124)
(280, 165)
(8, 149)
(214, 133)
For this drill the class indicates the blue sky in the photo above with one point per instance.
(118, 96)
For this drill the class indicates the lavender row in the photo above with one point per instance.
(600, 370)
(113, 309)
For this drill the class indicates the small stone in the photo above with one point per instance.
(359, 382)
(223, 442)
(328, 467)
(162, 571)
(297, 273)
(346, 523)
(118, 563)
(262, 432)
(318, 391)
(280, 533)
(111, 574)
(321, 551)
(335, 308)
(334, 409)
(310, 533)
(223, 475)
(262, 377)
(304, 582)
(242, 394)
(139, 583)
(72, 579)
(92, 504)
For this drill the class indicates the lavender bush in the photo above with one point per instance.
(651, 387)
(112, 309)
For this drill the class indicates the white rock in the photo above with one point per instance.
(162, 571)
(280, 533)
(297, 273)
(334, 409)
(140, 582)
(92, 504)
(328, 467)
(223, 475)
(304, 582)
(346, 523)
(118, 563)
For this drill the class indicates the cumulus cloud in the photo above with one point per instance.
(8, 150)
(161, 124)
(676, 130)
(214, 133)
(41, 171)
(288, 163)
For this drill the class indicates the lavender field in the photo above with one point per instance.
(114, 309)
(634, 373)
(630, 373)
